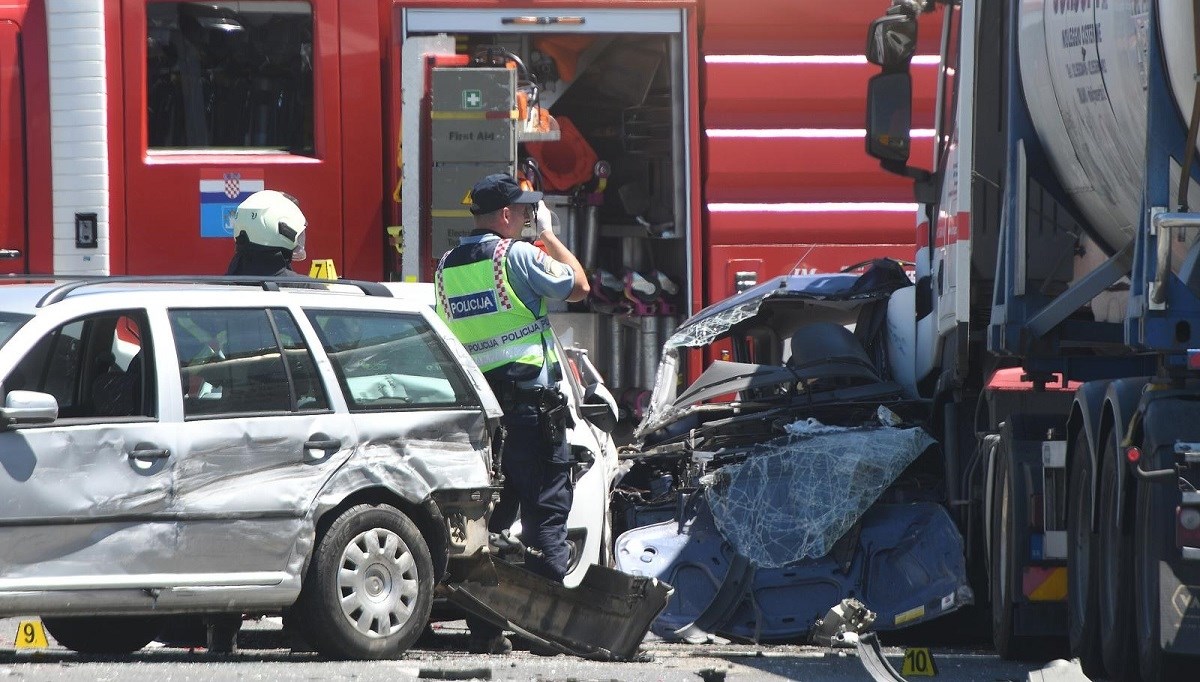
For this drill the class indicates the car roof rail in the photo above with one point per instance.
(65, 289)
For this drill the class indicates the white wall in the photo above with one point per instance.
(78, 133)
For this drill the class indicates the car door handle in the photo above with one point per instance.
(148, 451)
(323, 444)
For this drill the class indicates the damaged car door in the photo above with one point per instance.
(86, 485)
(420, 421)
(260, 435)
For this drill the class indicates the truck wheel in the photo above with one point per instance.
(369, 587)
(1152, 541)
(1005, 583)
(106, 635)
(1114, 596)
(1083, 624)
(1001, 582)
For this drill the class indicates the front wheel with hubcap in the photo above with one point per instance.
(369, 586)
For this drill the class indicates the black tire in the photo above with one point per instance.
(1004, 575)
(376, 555)
(1001, 574)
(1114, 596)
(1153, 537)
(1083, 619)
(104, 635)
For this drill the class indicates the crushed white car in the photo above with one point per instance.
(793, 477)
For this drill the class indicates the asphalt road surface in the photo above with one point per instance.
(263, 654)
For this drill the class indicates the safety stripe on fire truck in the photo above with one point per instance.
(1045, 583)
(449, 213)
(473, 115)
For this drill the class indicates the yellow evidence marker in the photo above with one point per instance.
(918, 662)
(31, 635)
(323, 269)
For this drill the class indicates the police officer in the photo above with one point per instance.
(269, 234)
(492, 290)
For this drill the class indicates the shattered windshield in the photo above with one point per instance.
(707, 330)
(830, 297)
(794, 496)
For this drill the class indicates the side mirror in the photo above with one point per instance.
(889, 117)
(600, 415)
(599, 407)
(28, 407)
(892, 41)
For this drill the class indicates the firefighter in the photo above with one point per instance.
(269, 232)
(492, 291)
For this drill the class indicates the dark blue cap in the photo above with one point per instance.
(498, 190)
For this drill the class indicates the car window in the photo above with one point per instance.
(302, 369)
(232, 362)
(10, 323)
(390, 360)
(96, 366)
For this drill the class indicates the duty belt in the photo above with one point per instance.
(511, 393)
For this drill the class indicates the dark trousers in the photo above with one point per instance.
(538, 487)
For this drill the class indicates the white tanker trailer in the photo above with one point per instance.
(1084, 76)
(1055, 325)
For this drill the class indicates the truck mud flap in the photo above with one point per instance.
(604, 618)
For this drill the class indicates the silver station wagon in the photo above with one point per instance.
(221, 447)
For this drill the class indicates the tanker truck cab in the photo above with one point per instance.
(1057, 291)
(933, 309)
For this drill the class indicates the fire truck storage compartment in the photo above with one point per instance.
(615, 169)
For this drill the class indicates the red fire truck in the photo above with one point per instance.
(728, 134)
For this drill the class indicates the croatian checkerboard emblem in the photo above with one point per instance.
(233, 185)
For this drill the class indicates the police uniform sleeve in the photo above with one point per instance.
(545, 276)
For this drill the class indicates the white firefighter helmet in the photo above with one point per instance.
(270, 218)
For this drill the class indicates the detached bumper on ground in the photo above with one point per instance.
(604, 618)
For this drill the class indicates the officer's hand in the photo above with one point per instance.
(545, 219)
